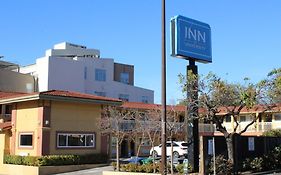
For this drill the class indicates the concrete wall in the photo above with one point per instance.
(16, 82)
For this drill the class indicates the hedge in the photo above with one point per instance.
(55, 160)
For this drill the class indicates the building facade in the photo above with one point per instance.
(74, 67)
(53, 123)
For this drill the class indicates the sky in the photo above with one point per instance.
(246, 35)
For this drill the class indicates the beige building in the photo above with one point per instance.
(52, 123)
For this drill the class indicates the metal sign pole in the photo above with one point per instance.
(192, 116)
(214, 155)
(163, 117)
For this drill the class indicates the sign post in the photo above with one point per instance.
(185, 166)
(191, 40)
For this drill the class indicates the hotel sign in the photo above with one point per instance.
(191, 39)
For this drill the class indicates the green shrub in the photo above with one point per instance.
(270, 161)
(55, 160)
(223, 166)
(273, 133)
(179, 168)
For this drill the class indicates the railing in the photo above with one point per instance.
(260, 127)
(129, 125)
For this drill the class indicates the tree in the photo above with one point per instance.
(151, 123)
(173, 127)
(219, 99)
(274, 85)
(113, 123)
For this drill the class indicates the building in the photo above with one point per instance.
(76, 68)
(13, 81)
(52, 123)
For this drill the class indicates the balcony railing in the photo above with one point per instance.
(129, 125)
(260, 127)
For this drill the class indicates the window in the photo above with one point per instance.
(245, 118)
(227, 118)
(144, 141)
(100, 74)
(144, 99)
(85, 73)
(268, 118)
(25, 140)
(124, 77)
(277, 117)
(113, 141)
(124, 97)
(65, 140)
(8, 109)
(103, 94)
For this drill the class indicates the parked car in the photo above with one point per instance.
(179, 149)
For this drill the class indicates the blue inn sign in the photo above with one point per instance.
(191, 39)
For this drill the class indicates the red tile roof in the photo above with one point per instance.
(5, 125)
(58, 93)
(147, 106)
(73, 94)
(9, 94)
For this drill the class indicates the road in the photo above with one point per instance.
(92, 171)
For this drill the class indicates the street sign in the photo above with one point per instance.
(191, 39)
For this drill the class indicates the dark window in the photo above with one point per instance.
(8, 109)
(228, 118)
(268, 118)
(25, 140)
(76, 140)
(277, 117)
(124, 77)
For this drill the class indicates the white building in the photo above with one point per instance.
(74, 67)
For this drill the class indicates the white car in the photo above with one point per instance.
(179, 149)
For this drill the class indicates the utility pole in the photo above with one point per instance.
(164, 109)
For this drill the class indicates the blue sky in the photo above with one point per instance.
(246, 35)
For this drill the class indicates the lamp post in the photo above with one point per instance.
(164, 112)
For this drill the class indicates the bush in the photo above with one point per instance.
(179, 168)
(273, 133)
(55, 160)
(223, 166)
(270, 161)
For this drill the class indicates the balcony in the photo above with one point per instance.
(256, 127)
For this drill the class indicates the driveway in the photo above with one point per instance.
(92, 171)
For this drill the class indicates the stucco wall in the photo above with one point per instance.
(16, 82)
(74, 118)
(27, 122)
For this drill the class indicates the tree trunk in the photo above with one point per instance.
(230, 149)
(117, 156)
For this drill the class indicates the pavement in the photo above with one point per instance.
(92, 171)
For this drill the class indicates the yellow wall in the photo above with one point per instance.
(27, 121)
(74, 117)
